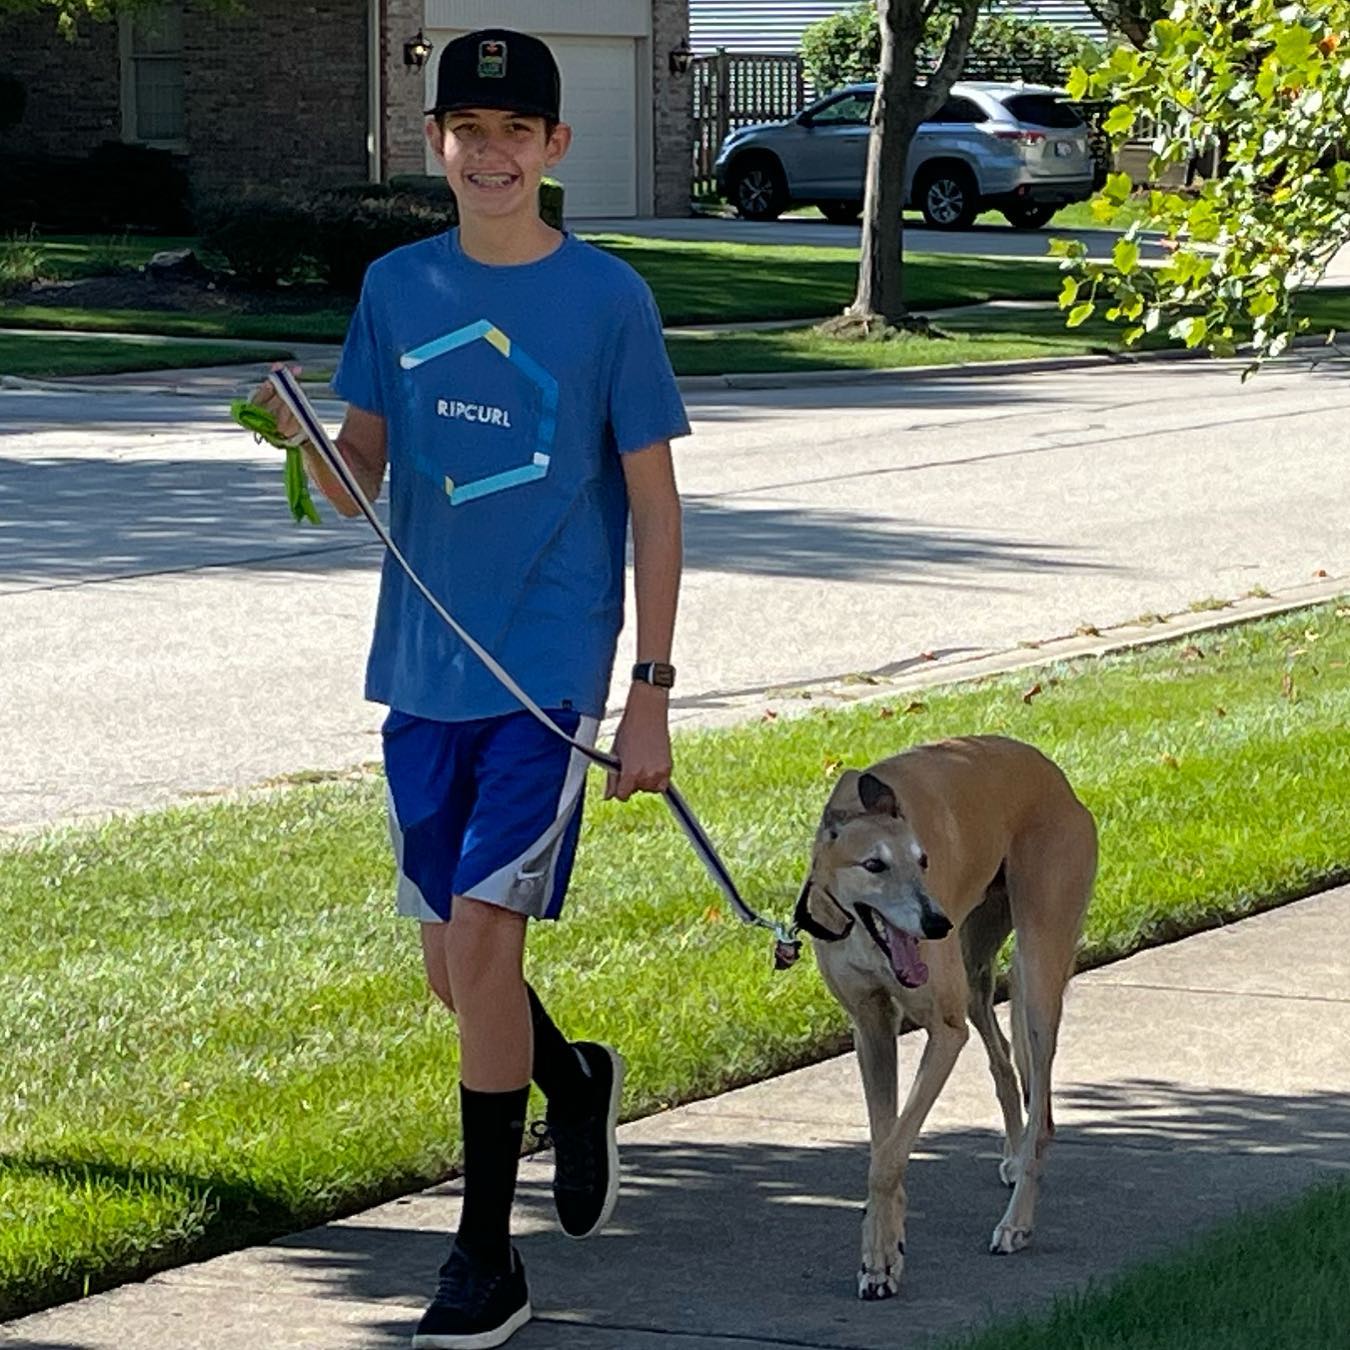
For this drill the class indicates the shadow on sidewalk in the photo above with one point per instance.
(750, 1227)
(758, 1236)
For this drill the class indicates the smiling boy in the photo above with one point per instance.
(515, 381)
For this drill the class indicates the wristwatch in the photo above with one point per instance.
(654, 672)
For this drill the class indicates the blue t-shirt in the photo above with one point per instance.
(509, 394)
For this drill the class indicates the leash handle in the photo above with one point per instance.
(787, 945)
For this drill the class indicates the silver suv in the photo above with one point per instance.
(1017, 148)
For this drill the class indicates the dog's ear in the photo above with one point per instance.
(806, 917)
(878, 798)
(843, 804)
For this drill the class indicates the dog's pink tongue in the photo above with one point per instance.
(904, 949)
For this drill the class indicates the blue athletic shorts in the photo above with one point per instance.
(489, 808)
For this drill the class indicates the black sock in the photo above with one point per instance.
(494, 1126)
(558, 1069)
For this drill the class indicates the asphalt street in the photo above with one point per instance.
(167, 631)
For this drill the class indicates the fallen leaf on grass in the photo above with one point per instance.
(1287, 686)
(1031, 693)
(1170, 761)
(1190, 652)
(914, 707)
(1221, 710)
(831, 766)
(885, 712)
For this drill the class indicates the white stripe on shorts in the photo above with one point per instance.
(525, 884)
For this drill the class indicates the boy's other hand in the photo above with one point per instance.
(642, 745)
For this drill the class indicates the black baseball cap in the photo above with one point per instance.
(498, 68)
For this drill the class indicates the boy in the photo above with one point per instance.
(517, 381)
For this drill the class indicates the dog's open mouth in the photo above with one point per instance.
(901, 949)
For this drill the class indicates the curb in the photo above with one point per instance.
(749, 381)
(797, 698)
(246, 374)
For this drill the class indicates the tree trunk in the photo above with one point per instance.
(901, 105)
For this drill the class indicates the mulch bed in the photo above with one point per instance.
(183, 295)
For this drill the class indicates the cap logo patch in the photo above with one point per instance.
(492, 60)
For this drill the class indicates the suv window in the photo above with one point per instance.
(959, 110)
(1043, 110)
(853, 109)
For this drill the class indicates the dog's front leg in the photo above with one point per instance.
(883, 1230)
(883, 1246)
(876, 1024)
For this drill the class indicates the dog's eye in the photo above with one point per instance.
(874, 865)
(923, 862)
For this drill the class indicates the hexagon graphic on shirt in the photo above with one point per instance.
(537, 466)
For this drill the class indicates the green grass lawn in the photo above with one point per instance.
(723, 283)
(997, 338)
(1008, 334)
(212, 1028)
(327, 323)
(1274, 1278)
(46, 355)
(693, 283)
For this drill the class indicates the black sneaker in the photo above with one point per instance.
(476, 1306)
(585, 1151)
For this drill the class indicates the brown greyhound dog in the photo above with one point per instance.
(921, 867)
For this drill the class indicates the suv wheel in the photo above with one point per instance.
(948, 198)
(1029, 217)
(841, 213)
(757, 189)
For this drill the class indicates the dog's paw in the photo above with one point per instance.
(1008, 1239)
(880, 1282)
(1009, 1170)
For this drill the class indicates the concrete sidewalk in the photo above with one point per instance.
(1192, 1081)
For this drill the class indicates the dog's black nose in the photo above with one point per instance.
(935, 924)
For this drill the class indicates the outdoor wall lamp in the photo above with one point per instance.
(680, 57)
(416, 51)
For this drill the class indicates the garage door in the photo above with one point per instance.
(599, 82)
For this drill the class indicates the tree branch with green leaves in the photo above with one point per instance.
(1266, 87)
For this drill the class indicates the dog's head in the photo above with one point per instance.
(867, 867)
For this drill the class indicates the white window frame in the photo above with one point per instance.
(128, 59)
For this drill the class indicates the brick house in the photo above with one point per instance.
(318, 94)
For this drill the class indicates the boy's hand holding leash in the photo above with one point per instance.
(642, 744)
